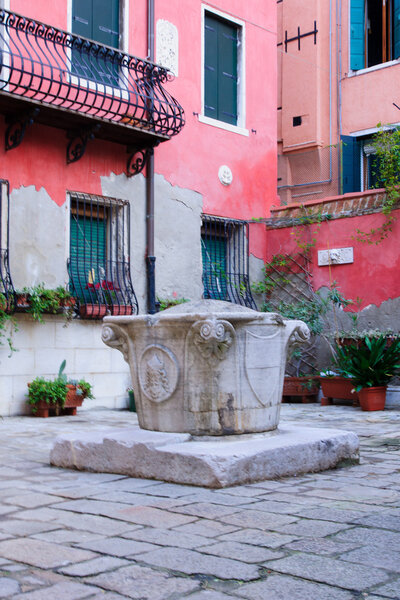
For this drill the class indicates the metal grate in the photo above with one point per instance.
(224, 244)
(6, 285)
(99, 263)
(292, 285)
(50, 66)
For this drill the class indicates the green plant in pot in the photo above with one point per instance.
(58, 394)
(371, 366)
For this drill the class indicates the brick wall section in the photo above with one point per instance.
(338, 207)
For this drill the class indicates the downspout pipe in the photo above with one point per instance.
(150, 258)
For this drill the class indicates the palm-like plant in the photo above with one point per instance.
(371, 365)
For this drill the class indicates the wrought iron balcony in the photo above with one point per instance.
(56, 78)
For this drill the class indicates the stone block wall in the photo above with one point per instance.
(41, 347)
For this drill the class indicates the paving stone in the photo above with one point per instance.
(142, 583)
(93, 567)
(382, 520)
(192, 562)
(371, 537)
(42, 554)
(206, 509)
(31, 500)
(8, 587)
(117, 546)
(259, 538)
(326, 513)
(358, 492)
(167, 537)
(133, 499)
(218, 497)
(390, 590)
(95, 524)
(257, 519)
(313, 528)
(327, 570)
(60, 591)
(323, 547)
(279, 587)
(238, 551)
(209, 595)
(375, 556)
(207, 528)
(275, 507)
(60, 536)
(21, 527)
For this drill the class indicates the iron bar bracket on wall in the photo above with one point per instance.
(77, 146)
(299, 36)
(137, 160)
(17, 126)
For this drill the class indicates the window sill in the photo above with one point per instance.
(384, 65)
(222, 125)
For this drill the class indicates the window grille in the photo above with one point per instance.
(99, 262)
(6, 285)
(224, 245)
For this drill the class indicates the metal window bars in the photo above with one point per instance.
(225, 254)
(99, 262)
(7, 297)
(49, 66)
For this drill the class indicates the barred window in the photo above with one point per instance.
(7, 297)
(99, 261)
(224, 246)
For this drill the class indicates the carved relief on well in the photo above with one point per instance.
(213, 338)
(262, 363)
(158, 373)
(115, 337)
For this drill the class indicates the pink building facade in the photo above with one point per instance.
(339, 62)
(126, 182)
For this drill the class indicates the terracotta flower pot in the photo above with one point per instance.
(121, 309)
(372, 398)
(337, 387)
(93, 311)
(305, 387)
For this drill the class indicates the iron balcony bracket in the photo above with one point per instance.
(137, 159)
(16, 128)
(78, 141)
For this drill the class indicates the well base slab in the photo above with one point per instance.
(212, 462)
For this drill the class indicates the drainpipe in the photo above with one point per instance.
(150, 258)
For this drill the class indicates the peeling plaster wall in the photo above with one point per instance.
(38, 239)
(39, 251)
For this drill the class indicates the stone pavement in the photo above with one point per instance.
(67, 535)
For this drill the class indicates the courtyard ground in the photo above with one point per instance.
(67, 535)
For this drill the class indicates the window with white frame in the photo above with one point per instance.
(223, 69)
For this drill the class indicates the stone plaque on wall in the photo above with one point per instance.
(167, 45)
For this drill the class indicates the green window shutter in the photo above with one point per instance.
(396, 29)
(213, 252)
(351, 179)
(87, 253)
(106, 22)
(220, 70)
(82, 18)
(357, 34)
(211, 68)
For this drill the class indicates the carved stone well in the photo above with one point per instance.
(206, 367)
(208, 380)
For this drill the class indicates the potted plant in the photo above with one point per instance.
(304, 386)
(39, 300)
(337, 386)
(59, 395)
(370, 365)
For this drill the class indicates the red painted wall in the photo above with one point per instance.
(192, 159)
(374, 275)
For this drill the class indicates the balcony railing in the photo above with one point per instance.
(54, 70)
